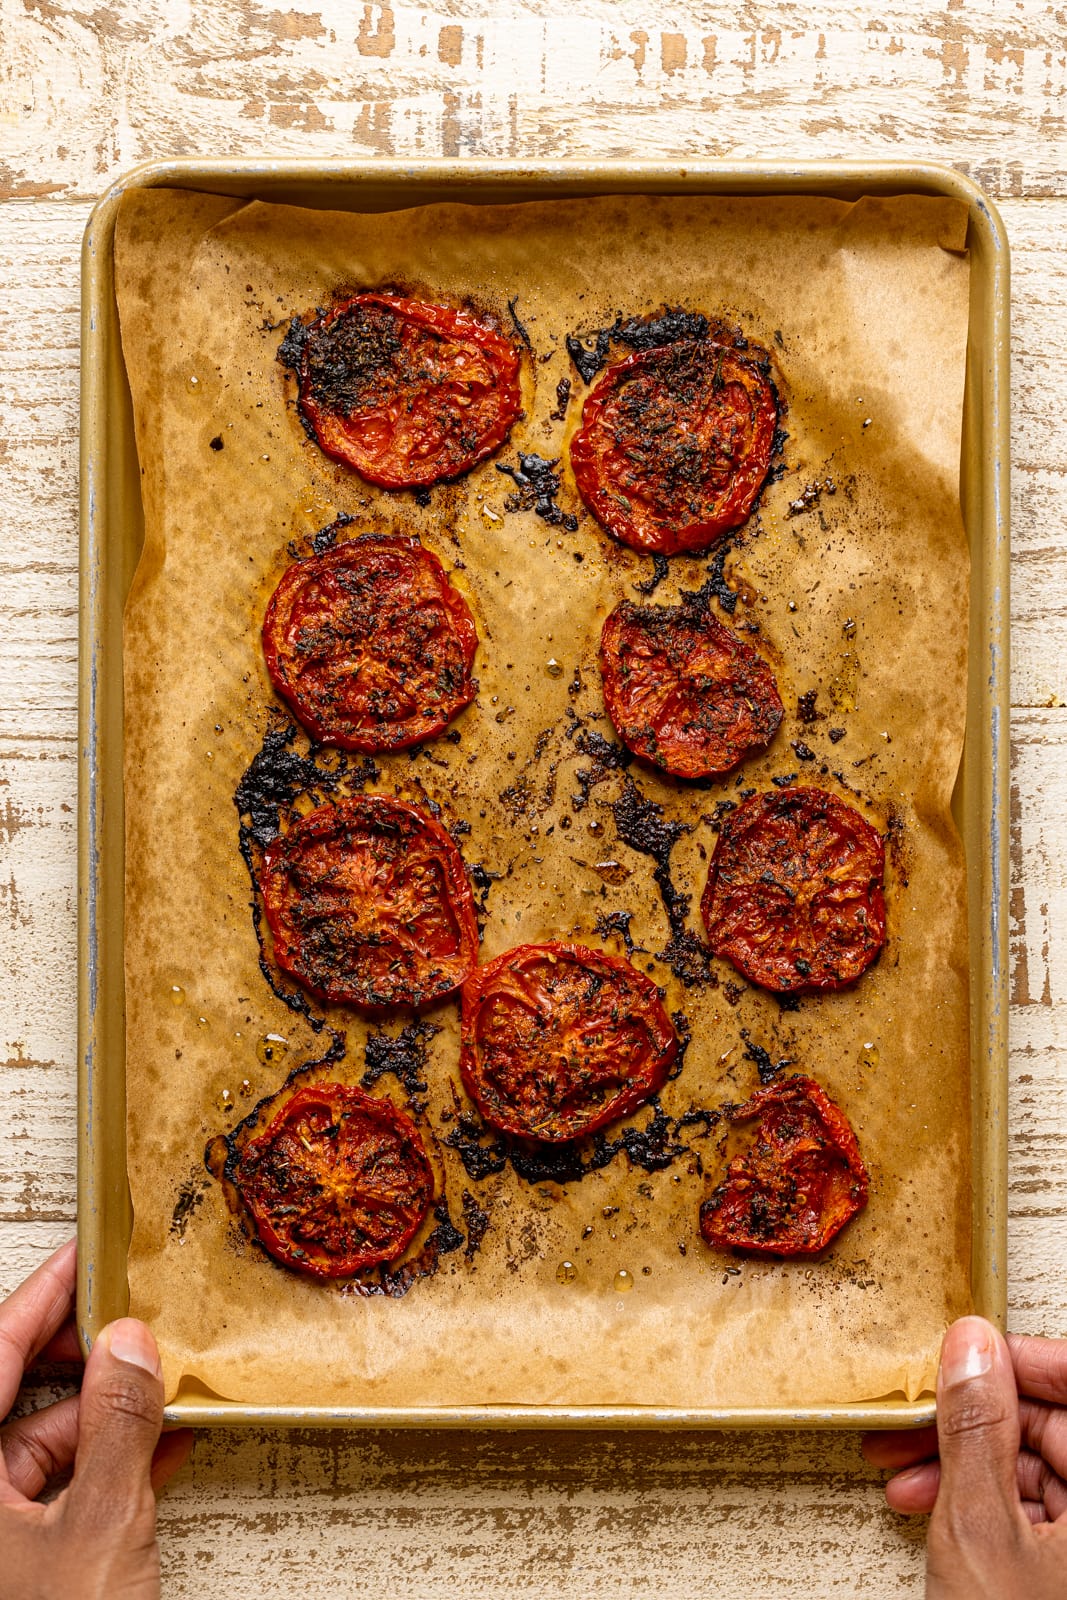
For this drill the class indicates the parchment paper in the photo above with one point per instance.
(859, 595)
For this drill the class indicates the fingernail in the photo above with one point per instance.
(129, 1340)
(967, 1351)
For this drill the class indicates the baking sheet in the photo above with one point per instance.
(870, 302)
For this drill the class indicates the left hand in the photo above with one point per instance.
(96, 1538)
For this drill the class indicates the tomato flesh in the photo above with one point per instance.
(405, 392)
(795, 895)
(799, 1181)
(339, 1180)
(370, 644)
(683, 691)
(559, 1040)
(369, 905)
(675, 445)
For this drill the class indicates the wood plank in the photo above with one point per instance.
(89, 90)
(428, 1516)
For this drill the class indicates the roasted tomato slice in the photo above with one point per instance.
(338, 1181)
(683, 691)
(795, 896)
(675, 444)
(369, 905)
(559, 1040)
(370, 644)
(798, 1182)
(405, 392)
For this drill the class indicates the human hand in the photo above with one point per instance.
(994, 1469)
(97, 1539)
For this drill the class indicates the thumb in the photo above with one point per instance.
(978, 1440)
(120, 1419)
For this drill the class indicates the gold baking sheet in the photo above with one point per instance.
(736, 1324)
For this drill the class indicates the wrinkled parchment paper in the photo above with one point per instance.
(858, 594)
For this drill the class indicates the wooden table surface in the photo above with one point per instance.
(87, 90)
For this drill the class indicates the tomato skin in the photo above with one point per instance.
(338, 1181)
(683, 691)
(369, 905)
(558, 1040)
(370, 644)
(795, 895)
(675, 445)
(406, 392)
(799, 1182)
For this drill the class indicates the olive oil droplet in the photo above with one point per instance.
(201, 1022)
(566, 1272)
(623, 1280)
(554, 668)
(225, 1101)
(271, 1049)
(244, 1089)
(869, 1054)
(177, 995)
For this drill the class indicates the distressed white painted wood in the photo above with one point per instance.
(87, 90)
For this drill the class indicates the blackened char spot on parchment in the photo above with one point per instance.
(518, 325)
(672, 325)
(537, 483)
(269, 785)
(291, 349)
(446, 1237)
(660, 569)
(291, 355)
(717, 587)
(483, 881)
(685, 1039)
(639, 333)
(606, 756)
(588, 362)
(807, 710)
(768, 1070)
(653, 1146)
(326, 537)
(482, 1155)
(610, 922)
(190, 1198)
(404, 1056)
(640, 823)
(477, 1224)
(779, 441)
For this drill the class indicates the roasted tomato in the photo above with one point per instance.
(559, 1040)
(795, 895)
(683, 691)
(798, 1182)
(369, 905)
(407, 393)
(675, 444)
(370, 644)
(339, 1181)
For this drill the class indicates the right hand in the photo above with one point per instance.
(994, 1470)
